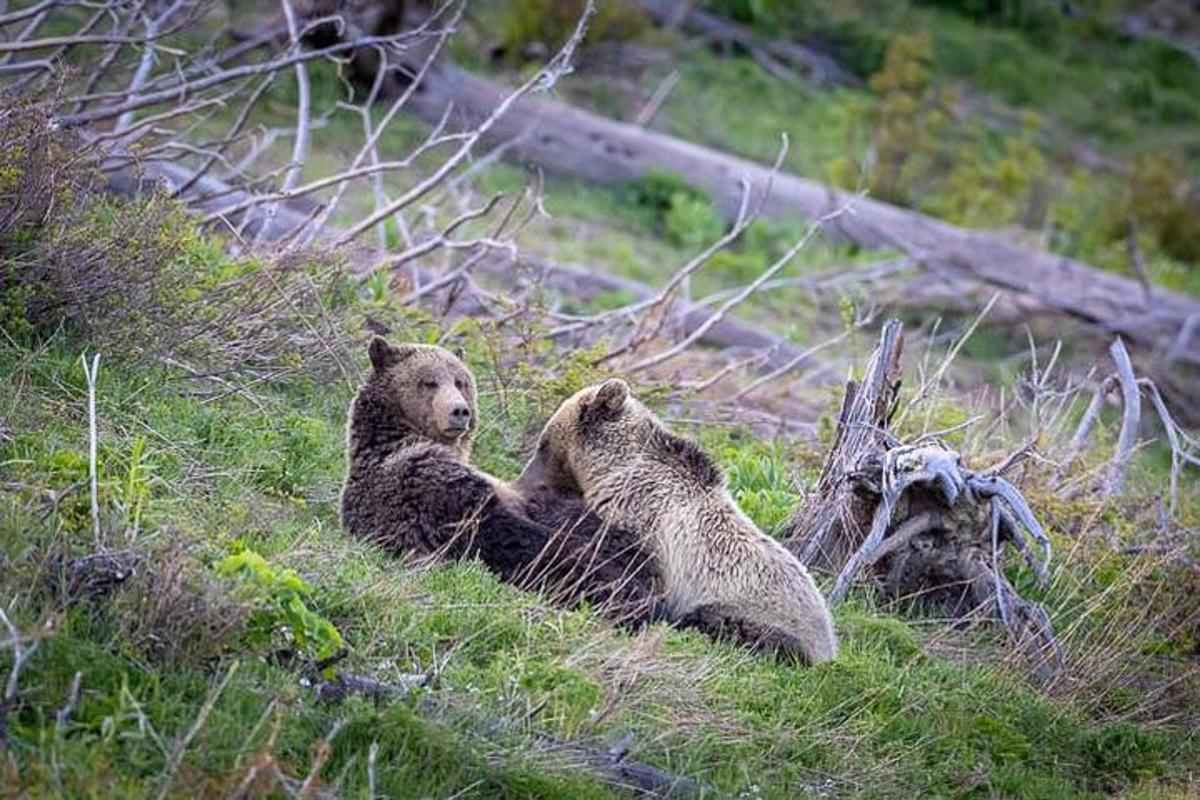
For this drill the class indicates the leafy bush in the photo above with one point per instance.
(137, 277)
(683, 214)
(280, 595)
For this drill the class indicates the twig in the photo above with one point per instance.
(747, 291)
(177, 752)
(657, 99)
(90, 375)
(324, 751)
(1090, 415)
(1131, 416)
(372, 754)
(21, 656)
(303, 120)
(146, 64)
(930, 384)
(790, 365)
(63, 715)
(370, 145)
(1184, 448)
(545, 77)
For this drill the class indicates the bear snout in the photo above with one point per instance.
(460, 416)
(452, 412)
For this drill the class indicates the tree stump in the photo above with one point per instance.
(924, 528)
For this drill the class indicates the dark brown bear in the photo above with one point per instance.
(410, 488)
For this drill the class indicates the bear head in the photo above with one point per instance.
(591, 433)
(423, 390)
(603, 429)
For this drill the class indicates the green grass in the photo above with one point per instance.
(889, 717)
(192, 471)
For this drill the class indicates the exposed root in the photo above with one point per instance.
(919, 521)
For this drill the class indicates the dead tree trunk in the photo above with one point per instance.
(921, 526)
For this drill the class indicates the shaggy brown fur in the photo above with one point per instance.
(719, 572)
(410, 489)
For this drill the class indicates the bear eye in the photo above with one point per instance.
(460, 384)
(428, 384)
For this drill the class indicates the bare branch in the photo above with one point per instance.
(737, 299)
(1131, 416)
(545, 77)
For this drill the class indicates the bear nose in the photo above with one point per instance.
(461, 415)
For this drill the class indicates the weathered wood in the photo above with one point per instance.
(571, 141)
(839, 514)
(922, 526)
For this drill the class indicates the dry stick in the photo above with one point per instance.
(657, 99)
(372, 754)
(442, 238)
(17, 16)
(826, 279)
(21, 655)
(364, 112)
(63, 715)
(879, 525)
(742, 221)
(39, 65)
(789, 366)
(372, 142)
(1090, 415)
(146, 64)
(729, 368)
(146, 126)
(324, 750)
(28, 31)
(75, 40)
(177, 752)
(303, 120)
(750, 289)
(547, 76)
(1177, 438)
(929, 385)
(56, 56)
(1132, 400)
(317, 185)
(220, 147)
(100, 71)
(191, 87)
(744, 218)
(90, 376)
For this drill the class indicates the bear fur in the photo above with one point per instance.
(719, 572)
(410, 489)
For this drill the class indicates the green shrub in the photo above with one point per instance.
(280, 596)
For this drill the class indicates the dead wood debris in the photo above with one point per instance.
(925, 527)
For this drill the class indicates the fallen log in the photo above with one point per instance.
(208, 194)
(1160, 327)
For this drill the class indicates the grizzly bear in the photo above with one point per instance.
(719, 572)
(410, 488)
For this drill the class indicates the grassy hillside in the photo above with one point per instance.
(197, 678)
(225, 372)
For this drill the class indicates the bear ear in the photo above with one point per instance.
(383, 355)
(611, 395)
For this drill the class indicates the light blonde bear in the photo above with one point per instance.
(718, 570)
